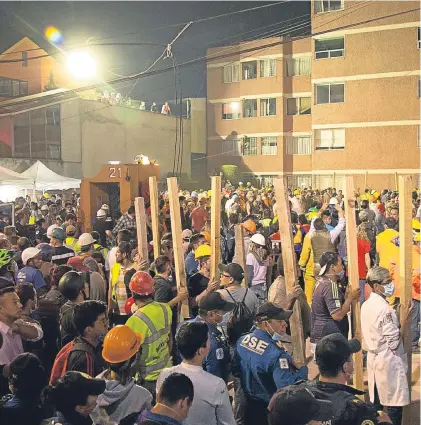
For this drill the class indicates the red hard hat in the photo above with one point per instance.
(141, 283)
(128, 306)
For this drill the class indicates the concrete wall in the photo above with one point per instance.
(117, 133)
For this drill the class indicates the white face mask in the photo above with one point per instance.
(389, 289)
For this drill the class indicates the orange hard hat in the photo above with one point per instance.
(207, 236)
(128, 306)
(121, 344)
(250, 225)
(141, 283)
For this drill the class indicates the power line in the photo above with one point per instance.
(205, 59)
(153, 29)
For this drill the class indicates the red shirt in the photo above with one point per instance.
(198, 217)
(363, 248)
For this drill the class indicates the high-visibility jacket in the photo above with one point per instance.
(72, 243)
(101, 249)
(153, 321)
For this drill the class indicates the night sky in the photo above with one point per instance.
(79, 21)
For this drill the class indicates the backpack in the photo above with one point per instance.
(60, 363)
(240, 321)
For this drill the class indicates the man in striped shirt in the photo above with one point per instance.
(61, 253)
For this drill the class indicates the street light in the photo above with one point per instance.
(81, 65)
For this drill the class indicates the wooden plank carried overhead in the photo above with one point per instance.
(240, 251)
(353, 277)
(290, 266)
(142, 240)
(215, 227)
(156, 237)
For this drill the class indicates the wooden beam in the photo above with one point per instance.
(215, 227)
(290, 266)
(353, 277)
(180, 270)
(405, 273)
(156, 237)
(241, 254)
(142, 240)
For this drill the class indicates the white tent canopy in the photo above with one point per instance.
(40, 177)
(7, 175)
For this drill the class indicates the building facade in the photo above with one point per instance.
(75, 137)
(342, 101)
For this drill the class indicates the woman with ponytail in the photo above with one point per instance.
(330, 304)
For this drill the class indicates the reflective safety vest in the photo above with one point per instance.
(72, 243)
(153, 321)
(102, 250)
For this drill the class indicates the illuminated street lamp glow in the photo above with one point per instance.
(81, 65)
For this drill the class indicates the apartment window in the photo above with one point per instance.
(298, 145)
(13, 88)
(298, 66)
(250, 146)
(249, 108)
(330, 139)
(267, 68)
(25, 59)
(270, 145)
(249, 70)
(231, 73)
(300, 180)
(232, 147)
(231, 111)
(329, 48)
(268, 107)
(37, 134)
(328, 5)
(329, 93)
(299, 106)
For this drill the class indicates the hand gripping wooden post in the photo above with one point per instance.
(176, 230)
(215, 227)
(142, 240)
(353, 278)
(290, 266)
(156, 237)
(405, 273)
(241, 254)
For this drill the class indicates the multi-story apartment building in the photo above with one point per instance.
(343, 101)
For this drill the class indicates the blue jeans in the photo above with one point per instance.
(415, 324)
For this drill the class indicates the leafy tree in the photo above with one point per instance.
(51, 84)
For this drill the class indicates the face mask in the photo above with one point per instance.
(275, 336)
(389, 289)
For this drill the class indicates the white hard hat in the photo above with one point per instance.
(333, 201)
(44, 208)
(29, 253)
(105, 207)
(86, 239)
(258, 239)
(50, 230)
(101, 213)
(240, 183)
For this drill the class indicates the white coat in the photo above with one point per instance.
(386, 362)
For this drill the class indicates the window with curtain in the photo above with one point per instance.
(13, 88)
(330, 138)
(249, 70)
(267, 68)
(267, 107)
(298, 145)
(299, 106)
(231, 111)
(231, 73)
(326, 48)
(298, 66)
(270, 145)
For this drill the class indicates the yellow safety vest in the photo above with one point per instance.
(153, 321)
(103, 251)
(72, 243)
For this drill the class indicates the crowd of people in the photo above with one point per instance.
(90, 331)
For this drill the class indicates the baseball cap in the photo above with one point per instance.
(50, 230)
(269, 311)
(297, 405)
(234, 270)
(335, 349)
(214, 301)
(70, 229)
(6, 285)
(29, 253)
(25, 369)
(59, 234)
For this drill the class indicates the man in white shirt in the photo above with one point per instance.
(211, 405)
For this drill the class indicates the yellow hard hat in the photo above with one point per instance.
(296, 192)
(202, 251)
(207, 236)
(417, 237)
(209, 193)
(46, 195)
(416, 225)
